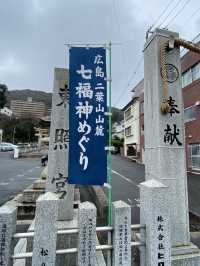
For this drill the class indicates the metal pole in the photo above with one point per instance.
(14, 135)
(110, 144)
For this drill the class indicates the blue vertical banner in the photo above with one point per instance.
(87, 120)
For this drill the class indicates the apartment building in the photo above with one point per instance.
(28, 108)
(191, 95)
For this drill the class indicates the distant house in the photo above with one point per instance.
(131, 129)
(118, 130)
(43, 131)
(6, 111)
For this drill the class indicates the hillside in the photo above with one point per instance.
(37, 96)
(41, 96)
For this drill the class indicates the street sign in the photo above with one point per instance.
(87, 121)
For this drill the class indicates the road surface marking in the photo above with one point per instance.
(20, 175)
(32, 178)
(4, 184)
(125, 178)
(30, 170)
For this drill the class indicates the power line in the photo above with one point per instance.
(180, 10)
(162, 13)
(129, 82)
(169, 13)
(189, 18)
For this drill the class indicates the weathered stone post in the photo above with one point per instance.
(87, 234)
(154, 213)
(45, 236)
(164, 136)
(8, 216)
(59, 146)
(121, 234)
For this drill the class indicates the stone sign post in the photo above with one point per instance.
(121, 234)
(8, 219)
(164, 136)
(59, 146)
(154, 213)
(44, 245)
(87, 234)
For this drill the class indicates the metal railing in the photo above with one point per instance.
(109, 247)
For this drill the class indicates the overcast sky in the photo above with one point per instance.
(33, 34)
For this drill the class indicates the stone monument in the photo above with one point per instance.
(59, 146)
(165, 141)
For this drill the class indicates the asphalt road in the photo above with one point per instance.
(16, 175)
(126, 176)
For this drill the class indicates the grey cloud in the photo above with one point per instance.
(33, 34)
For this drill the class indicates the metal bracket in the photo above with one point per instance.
(109, 148)
(108, 114)
(108, 79)
(171, 44)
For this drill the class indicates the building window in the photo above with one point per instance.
(196, 72)
(191, 75)
(142, 107)
(187, 78)
(190, 113)
(194, 150)
(128, 113)
(128, 131)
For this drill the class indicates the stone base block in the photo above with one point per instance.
(39, 184)
(31, 195)
(182, 250)
(186, 255)
(186, 260)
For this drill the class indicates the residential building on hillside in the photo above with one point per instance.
(118, 130)
(131, 129)
(28, 108)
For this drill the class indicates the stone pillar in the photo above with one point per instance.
(165, 161)
(164, 135)
(87, 234)
(121, 234)
(59, 146)
(154, 213)
(8, 216)
(45, 236)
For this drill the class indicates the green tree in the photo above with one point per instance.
(22, 129)
(3, 99)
